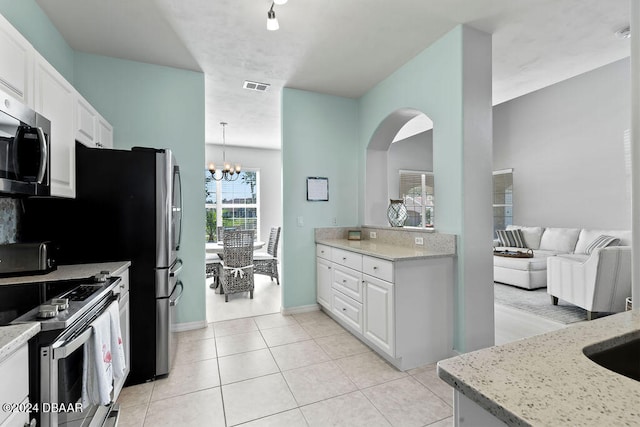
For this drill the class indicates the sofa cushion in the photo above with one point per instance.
(588, 236)
(531, 235)
(525, 264)
(512, 238)
(559, 239)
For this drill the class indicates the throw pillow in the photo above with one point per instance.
(511, 238)
(601, 242)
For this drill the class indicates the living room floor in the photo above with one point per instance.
(298, 370)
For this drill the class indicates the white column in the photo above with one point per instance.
(635, 149)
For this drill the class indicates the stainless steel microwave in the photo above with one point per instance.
(24, 150)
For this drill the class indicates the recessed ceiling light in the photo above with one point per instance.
(624, 33)
(260, 87)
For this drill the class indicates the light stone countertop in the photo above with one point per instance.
(66, 272)
(15, 336)
(546, 380)
(383, 250)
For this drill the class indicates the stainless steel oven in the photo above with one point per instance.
(24, 150)
(56, 355)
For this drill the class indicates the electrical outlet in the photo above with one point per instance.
(300, 221)
(373, 235)
(419, 240)
(334, 221)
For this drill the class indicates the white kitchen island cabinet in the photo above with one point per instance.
(397, 300)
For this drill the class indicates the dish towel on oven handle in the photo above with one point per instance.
(117, 349)
(97, 372)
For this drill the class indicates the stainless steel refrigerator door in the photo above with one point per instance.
(165, 319)
(165, 246)
(166, 279)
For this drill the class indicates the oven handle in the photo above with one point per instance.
(61, 352)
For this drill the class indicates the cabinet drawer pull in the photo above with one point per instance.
(375, 268)
(344, 280)
(344, 258)
(344, 309)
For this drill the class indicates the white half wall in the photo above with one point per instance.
(565, 145)
(269, 163)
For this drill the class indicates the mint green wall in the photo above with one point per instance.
(35, 26)
(163, 107)
(319, 138)
(148, 105)
(440, 83)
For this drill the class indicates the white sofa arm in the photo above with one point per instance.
(600, 283)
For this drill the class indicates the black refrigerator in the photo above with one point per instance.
(128, 206)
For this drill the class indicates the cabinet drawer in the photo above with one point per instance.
(14, 371)
(376, 267)
(348, 310)
(323, 251)
(348, 281)
(346, 258)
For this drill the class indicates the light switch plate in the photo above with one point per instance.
(373, 235)
(300, 221)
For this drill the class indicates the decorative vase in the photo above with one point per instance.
(396, 213)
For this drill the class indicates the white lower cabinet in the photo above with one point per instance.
(323, 282)
(402, 309)
(14, 372)
(379, 321)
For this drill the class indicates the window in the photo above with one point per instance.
(231, 204)
(502, 199)
(416, 190)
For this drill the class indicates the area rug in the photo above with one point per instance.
(538, 302)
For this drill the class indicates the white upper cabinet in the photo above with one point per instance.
(105, 133)
(55, 99)
(16, 66)
(91, 128)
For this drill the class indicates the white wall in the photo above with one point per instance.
(269, 163)
(413, 153)
(565, 145)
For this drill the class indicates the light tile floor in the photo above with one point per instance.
(275, 370)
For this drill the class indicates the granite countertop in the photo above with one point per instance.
(14, 336)
(547, 380)
(66, 272)
(384, 250)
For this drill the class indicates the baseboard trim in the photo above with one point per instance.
(189, 326)
(300, 309)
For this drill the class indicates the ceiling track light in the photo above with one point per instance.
(624, 33)
(272, 21)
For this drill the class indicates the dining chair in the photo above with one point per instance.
(212, 269)
(267, 262)
(237, 262)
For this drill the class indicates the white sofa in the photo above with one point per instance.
(549, 243)
(531, 273)
(599, 282)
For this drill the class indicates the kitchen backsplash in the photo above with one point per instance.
(9, 219)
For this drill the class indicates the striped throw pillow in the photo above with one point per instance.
(511, 238)
(601, 241)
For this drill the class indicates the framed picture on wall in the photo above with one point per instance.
(317, 189)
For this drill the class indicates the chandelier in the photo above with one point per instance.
(227, 173)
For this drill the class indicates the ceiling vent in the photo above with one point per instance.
(259, 87)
